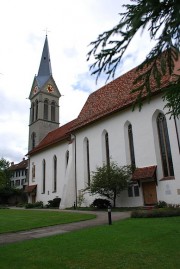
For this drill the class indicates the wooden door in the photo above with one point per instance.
(33, 199)
(149, 192)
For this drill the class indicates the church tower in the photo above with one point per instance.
(44, 98)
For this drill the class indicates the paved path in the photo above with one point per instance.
(101, 218)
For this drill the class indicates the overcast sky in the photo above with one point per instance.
(71, 25)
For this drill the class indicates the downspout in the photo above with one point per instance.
(75, 169)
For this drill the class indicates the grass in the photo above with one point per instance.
(127, 244)
(12, 220)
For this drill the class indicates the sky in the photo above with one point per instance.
(70, 25)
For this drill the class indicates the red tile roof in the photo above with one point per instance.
(31, 188)
(111, 98)
(148, 172)
(18, 166)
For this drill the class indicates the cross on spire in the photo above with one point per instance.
(46, 30)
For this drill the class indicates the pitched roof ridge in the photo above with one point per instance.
(117, 95)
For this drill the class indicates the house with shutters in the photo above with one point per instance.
(19, 174)
(62, 158)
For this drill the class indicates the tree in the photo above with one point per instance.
(110, 180)
(162, 18)
(5, 173)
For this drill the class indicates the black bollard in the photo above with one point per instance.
(109, 215)
(74, 205)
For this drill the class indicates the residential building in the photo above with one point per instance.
(19, 177)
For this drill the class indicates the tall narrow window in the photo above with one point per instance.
(165, 148)
(36, 109)
(107, 149)
(67, 158)
(33, 171)
(32, 115)
(44, 176)
(46, 110)
(53, 109)
(33, 138)
(177, 132)
(55, 175)
(86, 162)
(131, 145)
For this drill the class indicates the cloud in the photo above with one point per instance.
(71, 26)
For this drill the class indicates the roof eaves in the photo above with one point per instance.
(44, 147)
(107, 113)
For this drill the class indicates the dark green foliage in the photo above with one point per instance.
(38, 204)
(161, 204)
(101, 203)
(162, 20)
(156, 213)
(5, 173)
(54, 203)
(9, 195)
(110, 180)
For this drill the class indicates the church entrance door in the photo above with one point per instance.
(33, 199)
(149, 192)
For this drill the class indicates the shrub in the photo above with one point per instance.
(156, 213)
(101, 203)
(54, 203)
(29, 205)
(38, 204)
(161, 204)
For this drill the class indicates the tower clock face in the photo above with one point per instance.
(35, 90)
(50, 88)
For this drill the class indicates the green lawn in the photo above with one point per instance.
(127, 244)
(18, 220)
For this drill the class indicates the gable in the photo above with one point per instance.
(50, 87)
(45, 84)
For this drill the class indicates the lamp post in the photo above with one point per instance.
(109, 215)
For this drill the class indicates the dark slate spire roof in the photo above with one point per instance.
(45, 64)
(45, 70)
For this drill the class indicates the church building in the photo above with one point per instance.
(61, 159)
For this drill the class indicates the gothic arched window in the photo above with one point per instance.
(67, 157)
(107, 148)
(33, 139)
(53, 110)
(165, 148)
(46, 110)
(86, 161)
(36, 117)
(32, 112)
(131, 145)
(55, 174)
(43, 176)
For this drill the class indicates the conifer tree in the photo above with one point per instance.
(162, 19)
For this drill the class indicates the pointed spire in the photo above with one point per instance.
(45, 64)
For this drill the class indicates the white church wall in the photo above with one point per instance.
(68, 196)
(144, 146)
(147, 153)
(62, 184)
